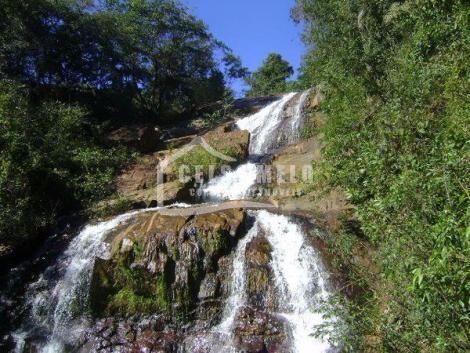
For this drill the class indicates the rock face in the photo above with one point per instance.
(259, 332)
(209, 153)
(143, 138)
(164, 264)
(259, 273)
(139, 184)
(256, 329)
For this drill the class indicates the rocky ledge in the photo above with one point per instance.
(168, 264)
(139, 187)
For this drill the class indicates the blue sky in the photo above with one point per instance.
(252, 28)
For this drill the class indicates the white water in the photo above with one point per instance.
(262, 125)
(299, 279)
(233, 185)
(296, 122)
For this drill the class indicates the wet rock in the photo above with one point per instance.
(209, 287)
(252, 344)
(147, 334)
(169, 263)
(155, 342)
(259, 273)
(251, 105)
(258, 331)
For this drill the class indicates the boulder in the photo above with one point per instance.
(164, 263)
(260, 332)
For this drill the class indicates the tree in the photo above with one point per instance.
(396, 81)
(49, 163)
(148, 59)
(271, 77)
(68, 66)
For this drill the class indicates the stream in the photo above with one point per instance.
(57, 301)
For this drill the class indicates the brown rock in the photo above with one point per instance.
(259, 273)
(257, 331)
(172, 259)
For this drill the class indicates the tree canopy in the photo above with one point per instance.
(271, 77)
(148, 58)
(69, 70)
(396, 80)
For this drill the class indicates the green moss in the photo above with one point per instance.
(213, 242)
(135, 289)
(200, 158)
(132, 299)
(112, 207)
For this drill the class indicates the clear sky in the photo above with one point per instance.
(252, 28)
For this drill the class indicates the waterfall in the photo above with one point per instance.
(58, 300)
(297, 120)
(299, 279)
(265, 129)
(220, 338)
(56, 304)
(298, 274)
(262, 125)
(233, 185)
(59, 297)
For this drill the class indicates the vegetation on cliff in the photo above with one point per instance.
(396, 81)
(69, 71)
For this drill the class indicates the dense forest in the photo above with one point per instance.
(395, 80)
(395, 76)
(70, 71)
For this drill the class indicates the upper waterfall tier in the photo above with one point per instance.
(277, 124)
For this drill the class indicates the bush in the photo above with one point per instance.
(49, 163)
(396, 81)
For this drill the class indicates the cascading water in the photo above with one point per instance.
(220, 338)
(56, 305)
(299, 280)
(298, 274)
(262, 125)
(233, 185)
(264, 128)
(296, 123)
(59, 298)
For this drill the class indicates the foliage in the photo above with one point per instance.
(48, 163)
(271, 77)
(222, 113)
(396, 80)
(150, 58)
(70, 67)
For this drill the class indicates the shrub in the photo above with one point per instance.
(49, 163)
(397, 84)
